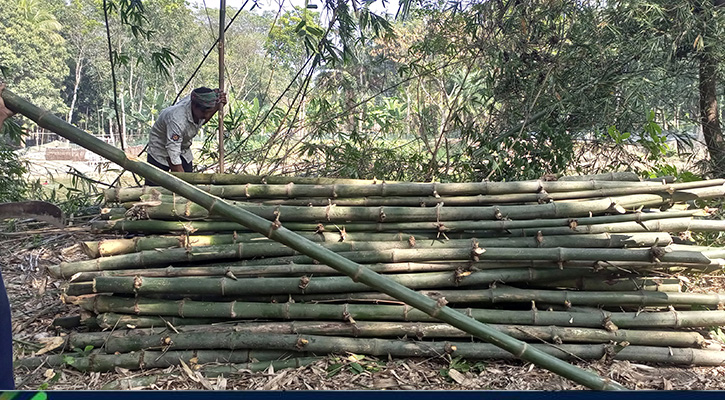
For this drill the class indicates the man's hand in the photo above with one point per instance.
(222, 99)
(5, 113)
(176, 167)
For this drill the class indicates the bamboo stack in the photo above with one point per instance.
(582, 269)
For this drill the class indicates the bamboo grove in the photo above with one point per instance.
(580, 269)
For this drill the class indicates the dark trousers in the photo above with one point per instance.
(6, 341)
(188, 167)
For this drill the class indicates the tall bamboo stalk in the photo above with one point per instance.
(275, 231)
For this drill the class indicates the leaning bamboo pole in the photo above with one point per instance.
(277, 232)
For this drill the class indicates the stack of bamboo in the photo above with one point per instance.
(583, 269)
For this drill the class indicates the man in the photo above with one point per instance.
(6, 340)
(170, 138)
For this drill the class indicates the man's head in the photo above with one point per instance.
(204, 103)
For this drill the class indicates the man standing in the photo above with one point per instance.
(170, 138)
(6, 341)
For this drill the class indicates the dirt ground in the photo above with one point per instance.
(35, 302)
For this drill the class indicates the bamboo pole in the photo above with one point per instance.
(110, 247)
(220, 44)
(150, 359)
(159, 226)
(499, 294)
(181, 208)
(364, 312)
(419, 330)
(358, 253)
(450, 193)
(225, 286)
(387, 347)
(275, 231)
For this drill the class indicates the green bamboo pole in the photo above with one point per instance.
(401, 348)
(111, 247)
(150, 359)
(273, 270)
(515, 295)
(176, 207)
(419, 330)
(225, 286)
(160, 226)
(364, 312)
(606, 176)
(152, 258)
(275, 231)
(417, 193)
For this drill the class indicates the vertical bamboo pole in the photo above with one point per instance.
(222, 17)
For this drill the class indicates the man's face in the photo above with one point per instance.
(202, 114)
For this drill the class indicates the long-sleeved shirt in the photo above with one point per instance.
(172, 133)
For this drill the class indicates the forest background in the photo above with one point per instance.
(440, 91)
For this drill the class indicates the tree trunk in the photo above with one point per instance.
(709, 113)
(79, 69)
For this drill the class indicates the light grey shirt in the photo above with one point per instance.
(172, 133)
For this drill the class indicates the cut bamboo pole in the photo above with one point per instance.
(670, 285)
(160, 226)
(400, 348)
(176, 208)
(450, 193)
(419, 330)
(150, 359)
(290, 311)
(111, 247)
(241, 251)
(275, 231)
(515, 295)
(225, 286)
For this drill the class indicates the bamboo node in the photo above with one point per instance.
(328, 211)
(301, 343)
(440, 303)
(608, 325)
(246, 191)
(288, 189)
(304, 282)
(343, 233)
(539, 239)
(381, 215)
(320, 229)
(137, 283)
(573, 223)
(497, 214)
(543, 197)
(449, 348)
(411, 241)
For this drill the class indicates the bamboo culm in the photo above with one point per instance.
(288, 311)
(419, 330)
